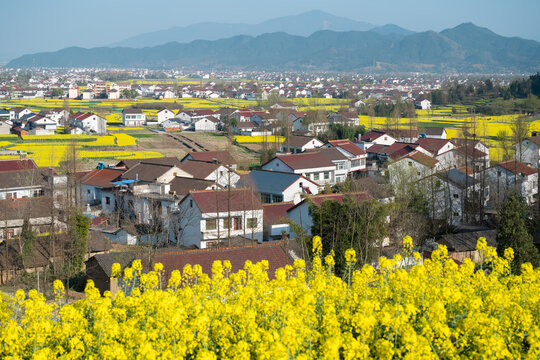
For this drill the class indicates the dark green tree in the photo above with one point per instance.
(512, 232)
(350, 224)
(28, 238)
(79, 229)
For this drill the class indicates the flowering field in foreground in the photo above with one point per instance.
(434, 310)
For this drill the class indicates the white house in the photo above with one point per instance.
(22, 183)
(356, 155)
(435, 132)
(528, 151)
(312, 165)
(36, 210)
(133, 117)
(447, 192)
(412, 167)
(423, 105)
(221, 174)
(296, 144)
(18, 112)
(208, 123)
(210, 217)
(89, 122)
(277, 186)
(512, 176)
(164, 114)
(377, 137)
(93, 183)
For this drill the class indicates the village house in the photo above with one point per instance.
(356, 155)
(18, 112)
(277, 186)
(207, 123)
(510, 177)
(222, 175)
(376, 137)
(296, 144)
(212, 216)
(18, 184)
(462, 244)
(411, 167)
(37, 210)
(528, 151)
(133, 117)
(275, 220)
(312, 165)
(435, 132)
(441, 149)
(449, 195)
(93, 183)
(89, 122)
(164, 114)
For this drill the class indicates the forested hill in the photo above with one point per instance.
(465, 48)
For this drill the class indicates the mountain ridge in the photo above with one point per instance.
(303, 24)
(464, 48)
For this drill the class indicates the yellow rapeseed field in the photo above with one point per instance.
(399, 310)
(242, 139)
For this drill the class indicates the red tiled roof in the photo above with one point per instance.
(471, 152)
(240, 199)
(517, 167)
(101, 177)
(306, 160)
(272, 252)
(432, 145)
(372, 135)
(19, 164)
(348, 146)
(276, 212)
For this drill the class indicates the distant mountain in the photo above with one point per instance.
(389, 29)
(465, 48)
(303, 24)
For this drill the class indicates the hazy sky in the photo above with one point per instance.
(29, 26)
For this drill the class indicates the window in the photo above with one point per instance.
(410, 163)
(456, 196)
(277, 198)
(211, 224)
(341, 165)
(456, 214)
(190, 203)
(316, 176)
(88, 191)
(107, 200)
(233, 223)
(326, 175)
(251, 223)
(266, 198)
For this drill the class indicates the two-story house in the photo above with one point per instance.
(211, 217)
(312, 165)
(511, 177)
(89, 122)
(296, 144)
(133, 117)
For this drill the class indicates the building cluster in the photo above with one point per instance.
(23, 121)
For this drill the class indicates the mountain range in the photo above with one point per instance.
(464, 48)
(303, 24)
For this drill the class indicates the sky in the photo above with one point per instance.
(30, 26)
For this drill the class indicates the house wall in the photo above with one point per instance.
(502, 183)
(90, 194)
(164, 115)
(408, 170)
(205, 125)
(528, 153)
(196, 233)
(302, 217)
(20, 193)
